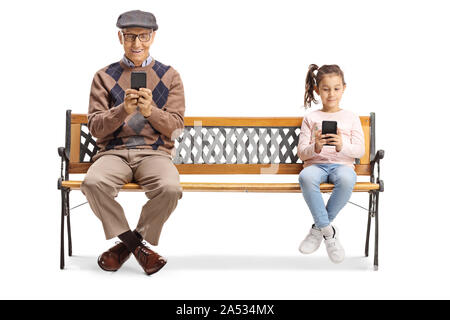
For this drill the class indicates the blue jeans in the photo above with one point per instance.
(343, 177)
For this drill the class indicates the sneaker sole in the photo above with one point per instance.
(307, 252)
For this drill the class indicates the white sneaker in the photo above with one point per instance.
(312, 241)
(335, 250)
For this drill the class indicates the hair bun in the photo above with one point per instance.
(313, 67)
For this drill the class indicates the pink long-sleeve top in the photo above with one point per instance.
(351, 131)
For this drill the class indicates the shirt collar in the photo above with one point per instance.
(130, 63)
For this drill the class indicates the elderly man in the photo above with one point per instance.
(135, 131)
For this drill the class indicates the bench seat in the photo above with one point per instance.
(238, 187)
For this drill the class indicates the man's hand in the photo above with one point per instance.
(145, 101)
(131, 100)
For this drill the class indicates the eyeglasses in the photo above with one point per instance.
(130, 37)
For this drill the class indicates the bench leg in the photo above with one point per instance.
(375, 262)
(369, 219)
(69, 233)
(63, 210)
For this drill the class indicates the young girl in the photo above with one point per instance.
(332, 163)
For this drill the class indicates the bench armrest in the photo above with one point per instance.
(64, 165)
(376, 161)
(62, 153)
(378, 156)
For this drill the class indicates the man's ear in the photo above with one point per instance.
(120, 37)
(153, 37)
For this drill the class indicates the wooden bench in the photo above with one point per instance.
(210, 145)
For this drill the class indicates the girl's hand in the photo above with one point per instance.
(319, 140)
(334, 140)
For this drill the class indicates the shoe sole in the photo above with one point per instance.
(100, 265)
(299, 249)
(153, 272)
(337, 261)
(307, 252)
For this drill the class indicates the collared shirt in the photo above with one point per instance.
(130, 63)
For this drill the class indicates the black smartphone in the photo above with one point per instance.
(138, 80)
(329, 127)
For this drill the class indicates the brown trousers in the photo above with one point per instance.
(153, 170)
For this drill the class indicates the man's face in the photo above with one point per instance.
(136, 50)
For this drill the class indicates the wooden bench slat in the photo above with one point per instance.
(365, 123)
(238, 187)
(361, 170)
(243, 121)
(75, 142)
(253, 169)
(232, 121)
(223, 121)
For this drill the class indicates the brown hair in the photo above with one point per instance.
(313, 80)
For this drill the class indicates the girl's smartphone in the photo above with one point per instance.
(329, 127)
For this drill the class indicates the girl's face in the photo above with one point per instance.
(330, 91)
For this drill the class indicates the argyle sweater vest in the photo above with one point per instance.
(115, 129)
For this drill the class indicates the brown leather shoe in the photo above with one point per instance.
(114, 258)
(149, 260)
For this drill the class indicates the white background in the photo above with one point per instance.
(236, 58)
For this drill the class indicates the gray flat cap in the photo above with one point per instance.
(137, 19)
